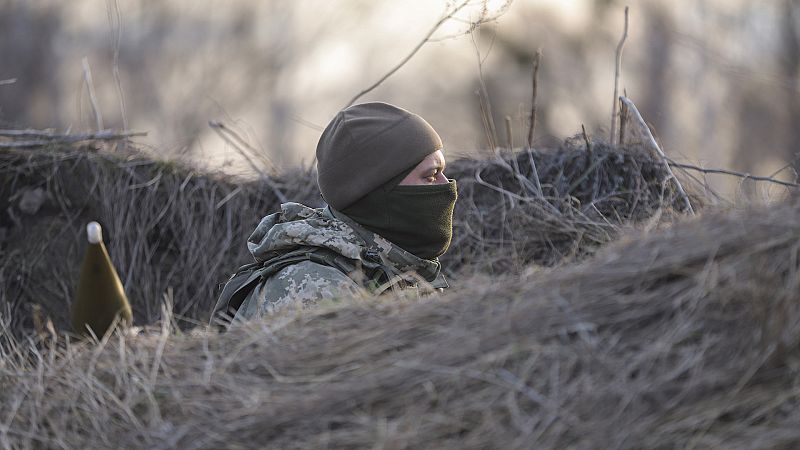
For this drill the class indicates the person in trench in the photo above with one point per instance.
(389, 216)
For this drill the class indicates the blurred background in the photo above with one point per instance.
(717, 79)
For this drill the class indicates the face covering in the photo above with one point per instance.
(417, 218)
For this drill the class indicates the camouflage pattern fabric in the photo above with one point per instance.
(356, 261)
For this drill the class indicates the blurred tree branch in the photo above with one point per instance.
(87, 78)
(44, 138)
(115, 30)
(742, 175)
(247, 151)
(535, 83)
(617, 64)
(483, 94)
(449, 14)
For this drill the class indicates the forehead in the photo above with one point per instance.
(434, 160)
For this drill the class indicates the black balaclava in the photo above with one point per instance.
(417, 218)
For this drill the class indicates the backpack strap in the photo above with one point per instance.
(235, 291)
(246, 277)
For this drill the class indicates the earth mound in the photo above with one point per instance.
(172, 229)
(685, 336)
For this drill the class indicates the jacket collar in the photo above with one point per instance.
(380, 250)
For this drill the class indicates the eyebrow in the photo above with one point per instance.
(438, 165)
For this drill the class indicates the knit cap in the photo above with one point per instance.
(365, 146)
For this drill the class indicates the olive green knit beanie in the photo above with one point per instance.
(365, 146)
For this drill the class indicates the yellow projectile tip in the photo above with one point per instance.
(100, 297)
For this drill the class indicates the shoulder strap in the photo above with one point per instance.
(233, 294)
(246, 277)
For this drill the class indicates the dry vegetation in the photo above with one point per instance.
(553, 336)
(170, 228)
(685, 336)
(167, 227)
(551, 207)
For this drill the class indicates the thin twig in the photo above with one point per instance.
(618, 63)
(743, 175)
(535, 173)
(509, 135)
(631, 109)
(447, 16)
(103, 135)
(46, 133)
(482, 18)
(243, 148)
(306, 123)
(115, 28)
(535, 79)
(240, 145)
(623, 120)
(87, 78)
(485, 119)
(486, 104)
(586, 139)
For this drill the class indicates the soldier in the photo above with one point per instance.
(389, 217)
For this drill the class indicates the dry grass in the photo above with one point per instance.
(166, 226)
(170, 228)
(684, 337)
(507, 217)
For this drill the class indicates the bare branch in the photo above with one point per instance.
(509, 134)
(240, 145)
(87, 78)
(115, 28)
(586, 140)
(483, 94)
(47, 133)
(449, 14)
(618, 63)
(472, 24)
(743, 175)
(485, 119)
(306, 123)
(243, 148)
(623, 120)
(535, 79)
(46, 139)
(8, 81)
(651, 143)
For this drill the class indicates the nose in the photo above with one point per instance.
(441, 179)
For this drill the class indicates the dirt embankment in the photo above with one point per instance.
(686, 336)
(173, 230)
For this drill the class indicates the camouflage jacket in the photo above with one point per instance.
(304, 255)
